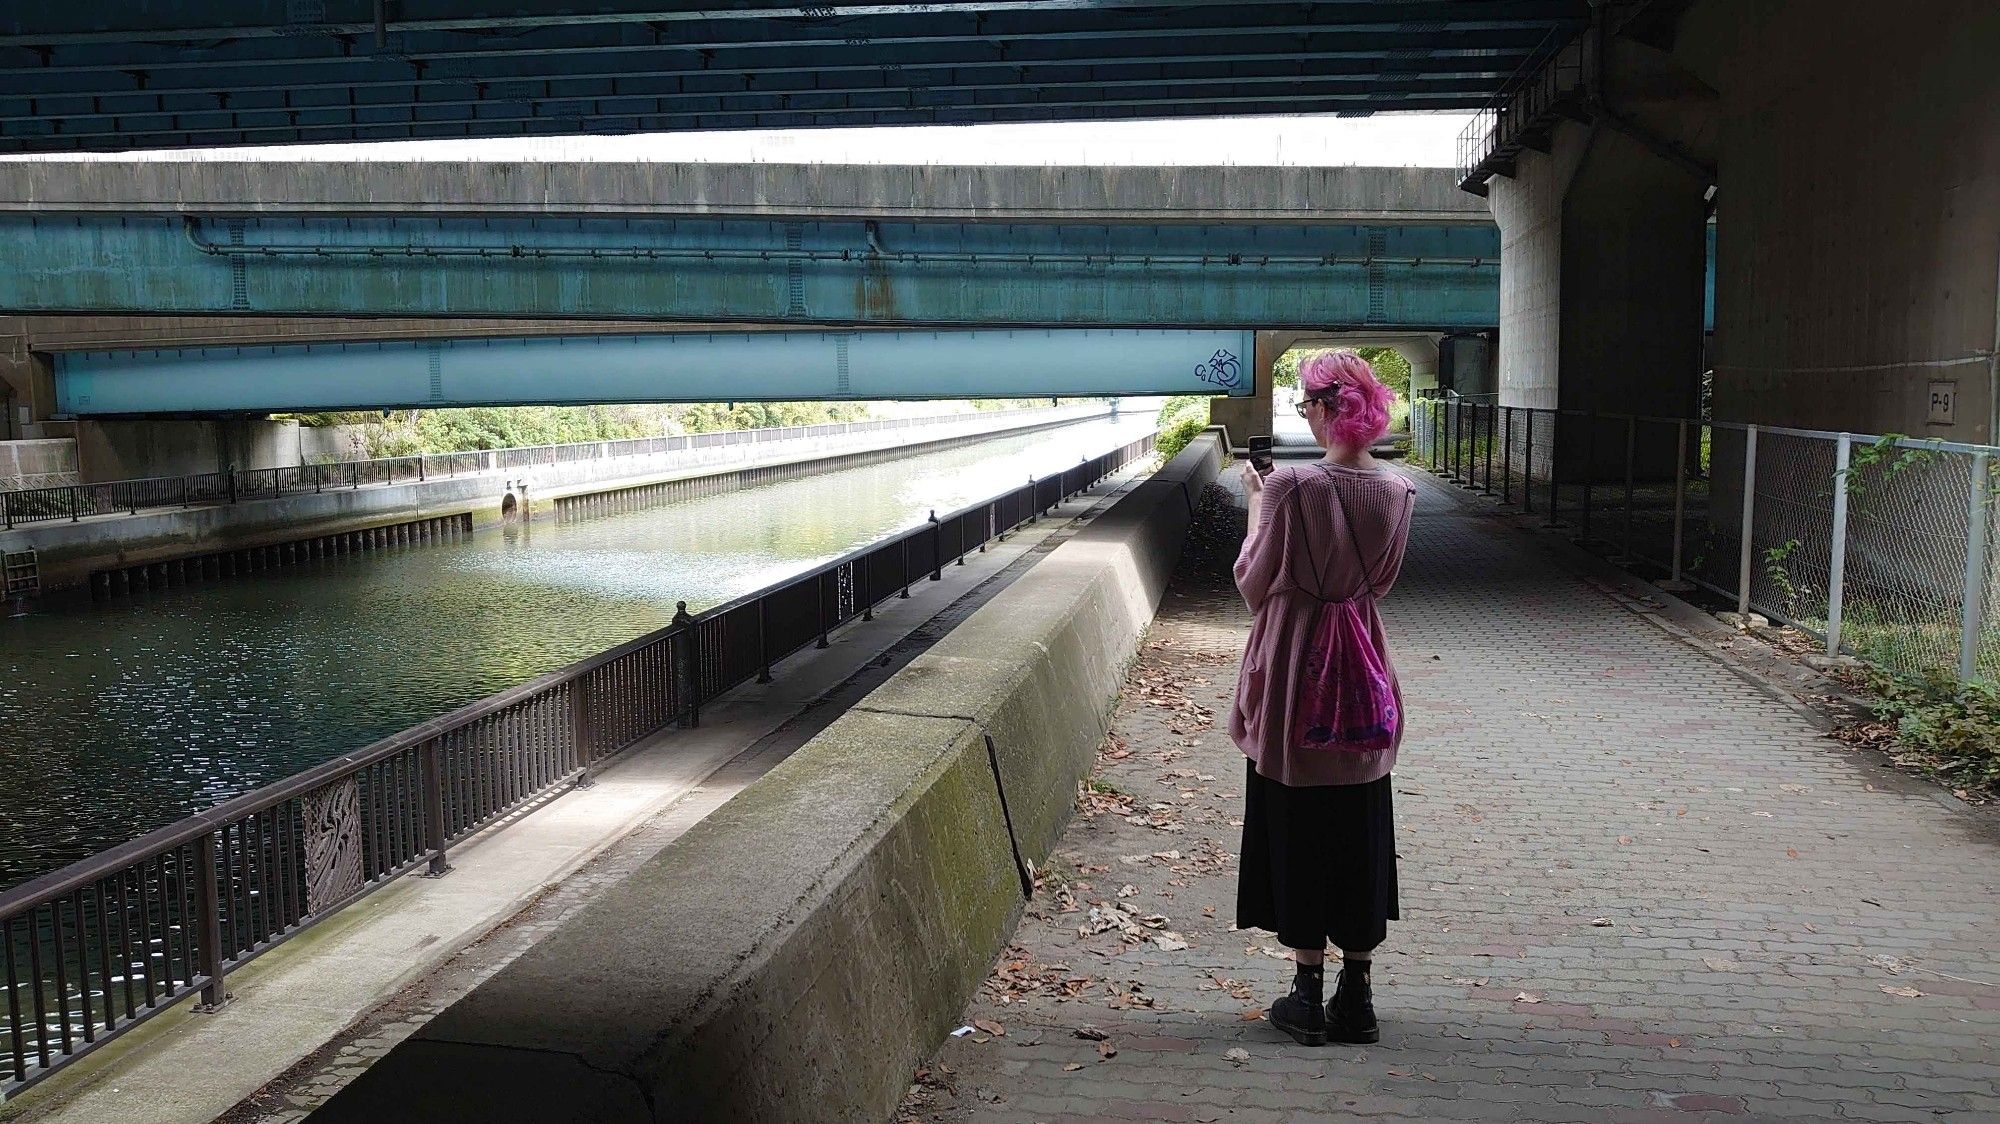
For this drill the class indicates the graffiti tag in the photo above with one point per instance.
(1222, 369)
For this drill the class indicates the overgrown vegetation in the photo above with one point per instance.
(408, 432)
(1389, 365)
(1941, 727)
(1182, 417)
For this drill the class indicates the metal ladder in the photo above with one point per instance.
(22, 573)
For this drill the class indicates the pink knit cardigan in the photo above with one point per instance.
(1296, 557)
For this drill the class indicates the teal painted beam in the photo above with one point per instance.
(1304, 274)
(681, 367)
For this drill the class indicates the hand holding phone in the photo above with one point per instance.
(1260, 455)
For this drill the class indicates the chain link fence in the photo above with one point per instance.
(1879, 547)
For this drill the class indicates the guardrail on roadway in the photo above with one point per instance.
(74, 501)
(97, 947)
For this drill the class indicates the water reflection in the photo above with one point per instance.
(119, 718)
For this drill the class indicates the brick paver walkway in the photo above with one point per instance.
(1637, 886)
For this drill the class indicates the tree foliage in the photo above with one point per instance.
(408, 432)
(1390, 366)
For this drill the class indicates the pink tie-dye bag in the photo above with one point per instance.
(1346, 698)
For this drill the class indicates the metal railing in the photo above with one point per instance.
(97, 947)
(1526, 106)
(1880, 547)
(73, 502)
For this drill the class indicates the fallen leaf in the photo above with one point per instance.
(1674, 1042)
(1601, 922)
(1091, 1034)
(990, 1027)
(1791, 852)
(1170, 942)
(1128, 891)
(1072, 1067)
(1254, 1014)
(1237, 1054)
(1527, 997)
(1624, 840)
(1905, 992)
(1717, 964)
(1106, 1051)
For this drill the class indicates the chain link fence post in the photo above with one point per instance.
(1680, 504)
(1749, 516)
(1973, 590)
(1836, 579)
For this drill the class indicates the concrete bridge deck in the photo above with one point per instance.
(1638, 885)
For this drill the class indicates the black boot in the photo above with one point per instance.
(1350, 1014)
(1299, 1014)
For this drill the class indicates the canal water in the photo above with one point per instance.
(121, 717)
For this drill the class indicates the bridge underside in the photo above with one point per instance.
(233, 72)
(681, 367)
(844, 273)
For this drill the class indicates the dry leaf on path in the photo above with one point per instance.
(1527, 997)
(1237, 1054)
(1905, 992)
(990, 1027)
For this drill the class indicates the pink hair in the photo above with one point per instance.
(1359, 402)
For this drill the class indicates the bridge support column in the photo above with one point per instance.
(1252, 415)
(1603, 261)
(27, 390)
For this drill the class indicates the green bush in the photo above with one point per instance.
(1953, 731)
(1183, 406)
(1175, 437)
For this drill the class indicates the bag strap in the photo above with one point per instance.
(1354, 541)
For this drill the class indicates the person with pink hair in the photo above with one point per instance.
(1318, 713)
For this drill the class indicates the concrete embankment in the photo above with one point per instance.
(142, 546)
(795, 955)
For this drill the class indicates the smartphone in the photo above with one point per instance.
(1260, 455)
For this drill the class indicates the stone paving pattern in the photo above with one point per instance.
(1638, 885)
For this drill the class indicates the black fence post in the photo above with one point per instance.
(430, 768)
(688, 666)
(1528, 464)
(819, 588)
(582, 733)
(232, 485)
(905, 594)
(937, 548)
(208, 919)
(1492, 426)
(1555, 466)
(763, 640)
(1589, 464)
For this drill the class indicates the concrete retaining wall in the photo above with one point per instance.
(136, 450)
(799, 952)
(70, 552)
(37, 464)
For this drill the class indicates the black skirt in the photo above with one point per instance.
(1318, 863)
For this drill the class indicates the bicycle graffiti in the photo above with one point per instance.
(1222, 369)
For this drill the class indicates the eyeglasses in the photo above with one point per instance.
(1302, 404)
